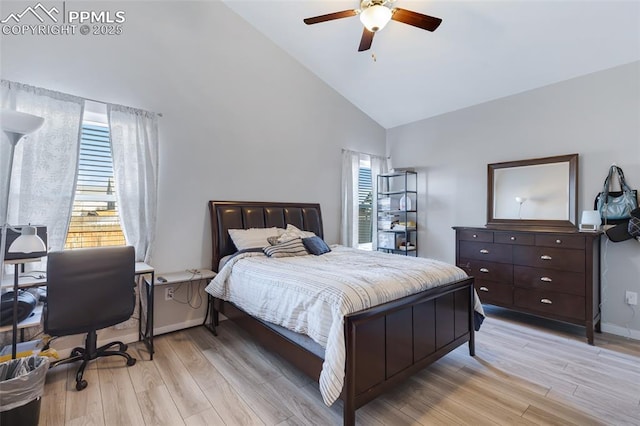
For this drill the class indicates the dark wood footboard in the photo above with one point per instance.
(388, 343)
(385, 344)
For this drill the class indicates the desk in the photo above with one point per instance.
(9, 282)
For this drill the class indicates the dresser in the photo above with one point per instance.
(551, 274)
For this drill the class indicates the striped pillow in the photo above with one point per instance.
(287, 249)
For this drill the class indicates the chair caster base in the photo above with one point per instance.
(80, 385)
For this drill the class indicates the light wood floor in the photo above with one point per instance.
(523, 373)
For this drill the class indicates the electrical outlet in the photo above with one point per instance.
(168, 293)
(631, 297)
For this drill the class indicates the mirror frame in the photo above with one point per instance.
(570, 224)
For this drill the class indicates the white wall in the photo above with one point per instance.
(242, 119)
(597, 116)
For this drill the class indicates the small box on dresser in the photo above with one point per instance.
(551, 274)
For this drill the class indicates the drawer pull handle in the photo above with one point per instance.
(546, 301)
(513, 238)
(558, 241)
(484, 251)
(484, 289)
(546, 279)
(545, 257)
(485, 270)
(475, 235)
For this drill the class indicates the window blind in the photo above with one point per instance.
(94, 220)
(365, 207)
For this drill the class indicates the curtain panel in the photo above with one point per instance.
(45, 162)
(134, 144)
(349, 215)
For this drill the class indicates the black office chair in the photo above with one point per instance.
(87, 290)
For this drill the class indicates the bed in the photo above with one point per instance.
(383, 344)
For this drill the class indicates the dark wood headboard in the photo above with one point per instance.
(227, 215)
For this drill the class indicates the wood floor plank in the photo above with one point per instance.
(228, 402)
(119, 399)
(84, 407)
(244, 351)
(495, 408)
(378, 412)
(53, 402)
(145, 375)
(305, 407)
(519, 365)
(158, 408)
(600, 408)
(543, 416)
(206, 418)
(183, 388)
(266, 405)
(202, 371)
(555, 410)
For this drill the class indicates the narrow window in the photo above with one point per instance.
(365, 203)
(95, 221)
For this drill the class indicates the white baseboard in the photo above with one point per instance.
(620, 331)
(179, 326)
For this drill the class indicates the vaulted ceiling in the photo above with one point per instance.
(483, 50)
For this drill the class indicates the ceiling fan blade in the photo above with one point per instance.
(331, 16)
(366, 40)
(416, 19)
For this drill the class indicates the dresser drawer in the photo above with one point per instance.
(563, 241)
(551, 303)
(475, 235)
(549, 258)
(486, 251)
(494, 293)
(491, 271)
(549, 279)
(518, 238)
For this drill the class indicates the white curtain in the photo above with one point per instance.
(349, 216)
(134, 143)
(45, 162)
(379, 165)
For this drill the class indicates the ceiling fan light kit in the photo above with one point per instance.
(374, 15)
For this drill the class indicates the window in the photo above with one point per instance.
(365, 203)
(94, 220)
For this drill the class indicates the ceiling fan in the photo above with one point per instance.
(375, 14)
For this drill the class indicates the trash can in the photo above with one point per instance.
(21, 389)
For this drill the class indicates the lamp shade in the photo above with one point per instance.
(375, 17)
(591, 217)
(27, 242)
(17, 124)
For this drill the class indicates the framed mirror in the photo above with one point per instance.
(540, 192)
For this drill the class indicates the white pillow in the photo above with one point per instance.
(254, 237)
(292, 232)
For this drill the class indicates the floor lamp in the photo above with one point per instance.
(15, 126)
